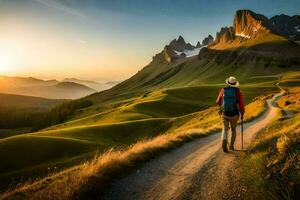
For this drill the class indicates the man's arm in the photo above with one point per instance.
(220, 97)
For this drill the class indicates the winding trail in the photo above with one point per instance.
(197, 170)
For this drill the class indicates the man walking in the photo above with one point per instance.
(231, 102)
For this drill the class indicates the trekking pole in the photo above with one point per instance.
(242, 131)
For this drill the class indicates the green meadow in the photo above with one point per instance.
(159, 99)
(116, 123)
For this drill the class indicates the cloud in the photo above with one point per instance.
(63, 8)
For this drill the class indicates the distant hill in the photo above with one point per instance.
(75, 80)
(112, 82)
(19, 113)
(61, 90)
(25, 102)
(7, 82)
(92, 84)
(52, 89)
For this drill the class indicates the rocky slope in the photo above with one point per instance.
(255, 39)
(175, 50)
(287, 26)
(179, 48)
(249, 26)
(226, 35)
(208, 40)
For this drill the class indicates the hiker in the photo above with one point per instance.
(231, 105)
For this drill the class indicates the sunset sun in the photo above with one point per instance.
(6, 62)
(8, 56)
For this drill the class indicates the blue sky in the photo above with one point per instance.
(109, 39)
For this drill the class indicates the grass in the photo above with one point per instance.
(122, 120)
(291, 100)
(85, 178)
(34, 156)
(265, 39)
(167, 103)
(28, 102)
(146, 116)
(271, 167)
(290, 79)
(12, 132)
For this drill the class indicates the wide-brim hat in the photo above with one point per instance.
(232, 82)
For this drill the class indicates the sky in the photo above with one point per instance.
(108, 39)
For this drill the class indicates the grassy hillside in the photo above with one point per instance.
(272, 164)
(160, 99)
(11, 132)
(257, 66)
(18, 113)
(166, 103)
(39, 155)
(146, 116)
(103, 168)
(22, 102)
(266, 40)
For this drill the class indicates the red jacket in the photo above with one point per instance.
(239, 97)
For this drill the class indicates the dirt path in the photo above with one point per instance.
(197, 170)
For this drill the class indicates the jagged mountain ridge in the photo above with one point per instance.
(248, 25)
(264, 53)
(287, 26)
(208, 40)
(174, 50)
(178, 48)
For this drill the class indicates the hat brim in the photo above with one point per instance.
(232, 85)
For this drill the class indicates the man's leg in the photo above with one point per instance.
(233, 125)
(225, 134)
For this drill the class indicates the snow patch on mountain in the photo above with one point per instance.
(297, 28)
(190, 53)
(243, 35)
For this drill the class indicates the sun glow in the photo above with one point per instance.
(9, 55)
(6, 61)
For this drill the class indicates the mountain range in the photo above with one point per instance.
(68, 88)
(51, 89)
(253, 46)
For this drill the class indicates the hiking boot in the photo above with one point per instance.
(224, 146)
(231, 147)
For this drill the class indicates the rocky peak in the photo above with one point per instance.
(198, 45)
(286, 25)
(208, 40)
(225, 35)
(248, 24)
(181, 40)
(180, 44)
(174, 50)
